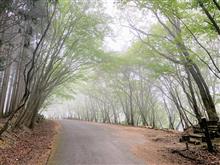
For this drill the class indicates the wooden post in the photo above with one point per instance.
(187, 146)
(207, 135)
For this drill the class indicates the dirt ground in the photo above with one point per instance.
(25, 147)
(162, 147)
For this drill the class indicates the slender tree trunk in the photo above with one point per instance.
(4, 90)
(196, 74)
(131, 104)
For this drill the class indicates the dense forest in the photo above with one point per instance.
(44, 44)
(167, 78)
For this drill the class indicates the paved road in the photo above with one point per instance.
(84, 143)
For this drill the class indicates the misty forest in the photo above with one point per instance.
(147, 65)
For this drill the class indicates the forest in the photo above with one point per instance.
(166, 76)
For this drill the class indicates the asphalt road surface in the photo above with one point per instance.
(84, 143)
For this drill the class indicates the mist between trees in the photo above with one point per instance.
(168, 77)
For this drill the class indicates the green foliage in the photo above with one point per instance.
(64, 92)
(74, 46)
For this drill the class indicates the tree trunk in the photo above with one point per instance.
(196, 74)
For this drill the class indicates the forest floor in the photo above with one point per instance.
(162, 147)
(26, 147)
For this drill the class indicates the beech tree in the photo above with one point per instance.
(172, 67)
(59, 43)
(172, 46)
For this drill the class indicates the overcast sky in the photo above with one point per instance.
(121, 37)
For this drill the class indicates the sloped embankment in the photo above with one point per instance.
(24, 147)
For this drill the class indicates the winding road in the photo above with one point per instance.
(86, 143)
